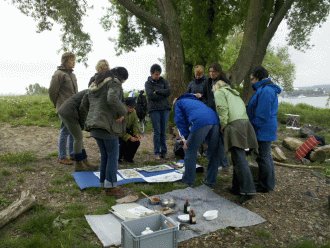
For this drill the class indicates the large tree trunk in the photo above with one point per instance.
(258, 32)
(167, 24)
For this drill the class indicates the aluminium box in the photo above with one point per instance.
(164, 235)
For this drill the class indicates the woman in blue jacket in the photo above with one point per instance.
(197, 123)
(262, 111)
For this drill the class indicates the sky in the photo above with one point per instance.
(28, 57)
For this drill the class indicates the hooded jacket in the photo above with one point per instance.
(190, 114)
(197, 86)
(62, 86)
(157, 92)
(262, 109)
(229, 104)
(103, 105)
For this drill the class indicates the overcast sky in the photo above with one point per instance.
(27, 57)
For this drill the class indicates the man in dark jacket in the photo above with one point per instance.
(62, 86)
(158, 91)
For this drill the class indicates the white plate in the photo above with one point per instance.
(183, 217)
(210, 215)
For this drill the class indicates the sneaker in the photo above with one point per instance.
(65, 161)
(157, 157)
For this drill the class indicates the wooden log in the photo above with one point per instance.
(292, 143)
(278, 154)
(25, 202)
(318, 156)
(299, 166)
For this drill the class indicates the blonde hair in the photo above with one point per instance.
(218, 85)
(102, 65)
(199, 70)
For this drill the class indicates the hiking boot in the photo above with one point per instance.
(116, 192)
(163, 155)
(65, 161)
(91, 167)
(80, 166)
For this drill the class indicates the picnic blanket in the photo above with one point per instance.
(201, 199)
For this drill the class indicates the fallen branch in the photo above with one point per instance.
(299, 166)
(25, 202)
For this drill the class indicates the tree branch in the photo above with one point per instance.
(142, 14)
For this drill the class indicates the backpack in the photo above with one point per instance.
(141, 106)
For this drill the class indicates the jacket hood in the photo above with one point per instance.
(95, 87)
(187, 96)
(267, 82)
(154, 81)
(222, 84)
(63, 68)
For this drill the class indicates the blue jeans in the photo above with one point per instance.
(109, 150)
(64, 137)
(242, 177)
(159, 119)
(209, 134)
(266, 177)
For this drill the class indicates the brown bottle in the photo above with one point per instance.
(186, 207)
(192, 217)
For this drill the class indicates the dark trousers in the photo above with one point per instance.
(242, 177)
(266, 166)
(128, 149)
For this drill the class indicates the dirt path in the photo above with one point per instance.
(297, 210)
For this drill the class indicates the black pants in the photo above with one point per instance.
(128, 149)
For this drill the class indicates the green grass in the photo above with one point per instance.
(20, 158)
(34, 110)
(308, 244)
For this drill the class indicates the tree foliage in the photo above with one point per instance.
(36, 89)
(68, 14)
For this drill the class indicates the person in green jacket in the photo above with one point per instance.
(129, 142)
(239, 135)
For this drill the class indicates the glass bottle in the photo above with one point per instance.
(192, 217)
(186, 207)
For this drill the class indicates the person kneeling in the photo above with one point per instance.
(130, 140)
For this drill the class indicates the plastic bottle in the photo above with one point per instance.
(147, 231)
(186, 207)
(192, 217)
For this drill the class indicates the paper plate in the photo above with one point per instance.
(210, 215)
(183, 217)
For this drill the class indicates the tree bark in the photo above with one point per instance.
(255, 41)
(18, 207)
(168, 26)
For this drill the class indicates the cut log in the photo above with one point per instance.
(25, 202)
(278, 154)
(320, 153)
(292, 143)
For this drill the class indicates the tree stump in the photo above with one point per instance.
(25, 202)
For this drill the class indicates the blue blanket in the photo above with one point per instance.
(87, 179)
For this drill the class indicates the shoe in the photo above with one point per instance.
(233, 191)
(129, 161)
(208, 184)
(244, 198)
(80, 166)
(163, 156)
(116, 192)
(89, 166)
(65, 161)
(261, 189)
(157, 157)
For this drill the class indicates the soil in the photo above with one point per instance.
(297, 210)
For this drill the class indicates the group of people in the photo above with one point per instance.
(210, 112)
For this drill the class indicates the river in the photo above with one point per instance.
(319, 101)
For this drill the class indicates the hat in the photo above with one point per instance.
(130, 101)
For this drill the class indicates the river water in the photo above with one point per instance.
(319, 101)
